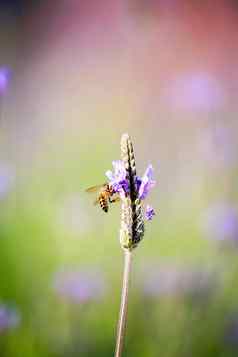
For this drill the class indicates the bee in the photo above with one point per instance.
(105, 196)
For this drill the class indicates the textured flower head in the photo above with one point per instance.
(118, 178)
(145, 183)
(132, 190)
(149, 213)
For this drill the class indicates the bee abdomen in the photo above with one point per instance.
(103, 204)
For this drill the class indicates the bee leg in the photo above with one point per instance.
(116, 199)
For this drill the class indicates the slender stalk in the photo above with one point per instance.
(131, 232)
(121, 327)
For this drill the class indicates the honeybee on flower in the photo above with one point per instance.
(120, 184)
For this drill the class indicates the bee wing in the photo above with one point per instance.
(95, 188)
(96, 202)
(98, 188)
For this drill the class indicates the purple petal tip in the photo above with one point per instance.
(149, 213)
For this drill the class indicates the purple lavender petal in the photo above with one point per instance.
(149, 213)
(146, 183)
(138, 182)
(118, 179)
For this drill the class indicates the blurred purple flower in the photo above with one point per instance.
(6, 179)
(171, 280)
(145, 183)
(219, 146)
(118, 179)
(149, 213)
(80, 286)
(161, 281)
(9, 318)
(221, 222)
(195, 91)
(4, 79)
(231, 330)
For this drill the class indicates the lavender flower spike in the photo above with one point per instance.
(118, 179)
(146, 183)
(149, 213)
(132, 223)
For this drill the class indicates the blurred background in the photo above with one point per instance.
(74, 76)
